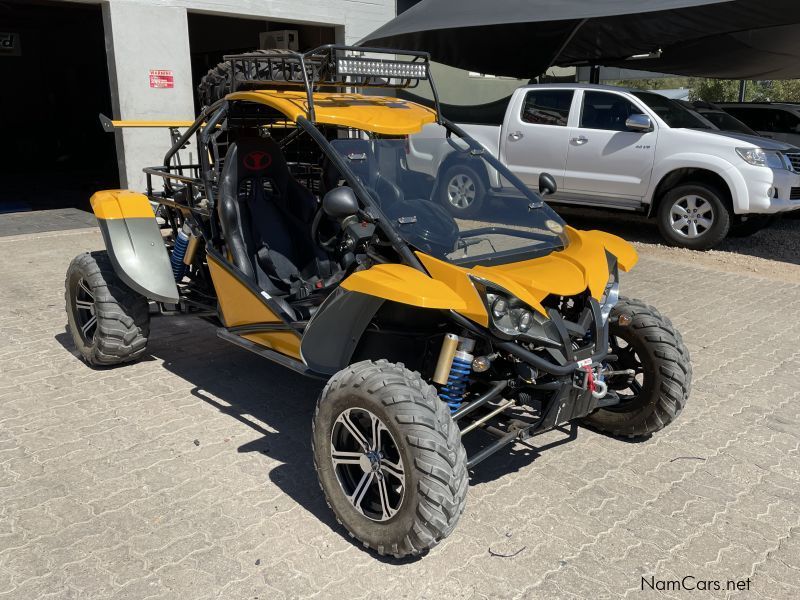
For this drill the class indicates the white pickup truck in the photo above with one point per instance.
(622, 149)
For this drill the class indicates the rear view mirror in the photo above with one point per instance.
(547, 184)
(639, 123)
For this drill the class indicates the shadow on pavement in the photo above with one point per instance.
(278, 405)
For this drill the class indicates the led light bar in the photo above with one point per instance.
(372, 67)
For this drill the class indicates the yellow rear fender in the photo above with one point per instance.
(134, 243)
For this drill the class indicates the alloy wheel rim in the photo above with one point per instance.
(691, 216)
(461, 191)
(368, 465)
(85, 312)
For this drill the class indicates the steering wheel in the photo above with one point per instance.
(330, 244)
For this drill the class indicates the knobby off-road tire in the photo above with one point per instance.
(121, 316)
(428, 445)
(216, 84)
(665, 372)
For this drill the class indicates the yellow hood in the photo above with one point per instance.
(580, 266)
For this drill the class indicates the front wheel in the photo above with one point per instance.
(109, 322)
(462, 191)
(656, 386)
(389, 458)
(693, 216)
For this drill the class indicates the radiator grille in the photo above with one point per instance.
(794, 157)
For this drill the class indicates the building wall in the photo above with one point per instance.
(153, 34)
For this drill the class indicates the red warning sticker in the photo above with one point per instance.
(161, 78)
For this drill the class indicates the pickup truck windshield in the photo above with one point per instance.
(423, 198)
(671, 112)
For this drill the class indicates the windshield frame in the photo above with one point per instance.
(391, 230)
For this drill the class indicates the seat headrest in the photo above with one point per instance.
(262, 157)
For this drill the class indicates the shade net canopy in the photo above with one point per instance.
(734, 39)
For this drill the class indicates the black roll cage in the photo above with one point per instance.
(206, 176)
(319, 67)
(310, 71)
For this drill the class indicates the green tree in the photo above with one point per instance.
(727, 90)
(715, 90)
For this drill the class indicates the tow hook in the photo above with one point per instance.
(600, 389)
(587, 379)
(595, 383)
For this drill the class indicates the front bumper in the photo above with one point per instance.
(570, 367)
(769, 191)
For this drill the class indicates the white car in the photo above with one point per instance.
(621, 149)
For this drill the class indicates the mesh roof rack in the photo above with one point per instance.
(331, 65)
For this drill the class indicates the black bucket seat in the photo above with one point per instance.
(266, 217)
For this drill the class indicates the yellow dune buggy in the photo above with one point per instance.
(309, 234)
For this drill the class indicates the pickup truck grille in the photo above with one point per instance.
(794, 157)
(795, 194)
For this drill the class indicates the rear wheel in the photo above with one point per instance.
(389, 458)
(693, 216)
(660, 379)
(462, 191)
(109, 322)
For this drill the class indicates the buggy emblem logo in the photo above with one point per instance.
(257, 160)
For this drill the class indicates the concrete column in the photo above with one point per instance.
(141, 37)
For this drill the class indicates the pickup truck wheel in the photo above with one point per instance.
(461, 191)
(389, 458)
(693, 216)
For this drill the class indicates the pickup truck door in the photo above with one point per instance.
(535, 136)
(605, 158)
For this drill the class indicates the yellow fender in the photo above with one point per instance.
(406, 285)
(581, 265)
(134, 243)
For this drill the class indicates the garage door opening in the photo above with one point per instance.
(212, 37)
(54, 82)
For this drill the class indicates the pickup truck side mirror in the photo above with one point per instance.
(639, 123)
(547, 184)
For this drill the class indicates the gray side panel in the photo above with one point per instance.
(139, 256)
(333, 334)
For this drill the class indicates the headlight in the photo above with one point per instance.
(759, 157)
(508, 314)
(499, 307)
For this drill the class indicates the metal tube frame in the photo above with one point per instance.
(321, 62)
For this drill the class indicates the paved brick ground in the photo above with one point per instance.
(189, 474)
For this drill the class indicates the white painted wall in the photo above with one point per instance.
(153, 34)
(140, 37)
